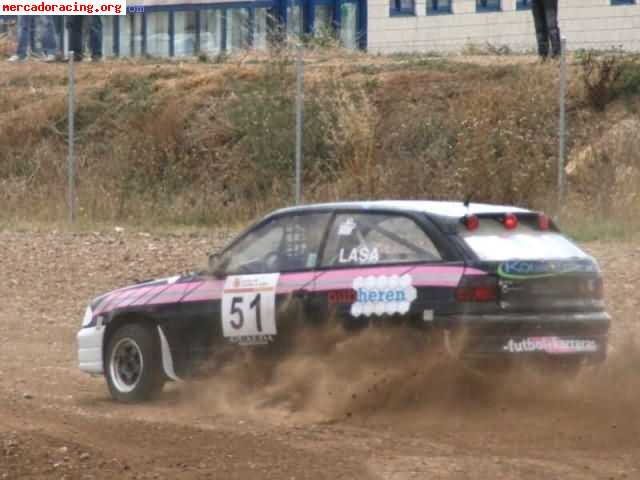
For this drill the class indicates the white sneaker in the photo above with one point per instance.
(15, 59)
(49, 58)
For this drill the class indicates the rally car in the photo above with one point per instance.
(504, 276)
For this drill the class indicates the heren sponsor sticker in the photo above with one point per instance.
(359, 255)
(553, 345)
(383, 295)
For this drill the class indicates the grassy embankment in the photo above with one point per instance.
(210, 143)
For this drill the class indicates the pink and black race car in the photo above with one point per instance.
(504, 276)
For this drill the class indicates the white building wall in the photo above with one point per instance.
(586, 23)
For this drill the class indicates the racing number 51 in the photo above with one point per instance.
(236, 309)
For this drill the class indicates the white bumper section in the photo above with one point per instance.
(90, 342)
(90, 349)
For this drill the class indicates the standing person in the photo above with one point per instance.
(545, 19)
(74, 24)
(26, 25)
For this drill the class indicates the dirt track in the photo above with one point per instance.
(349, 414)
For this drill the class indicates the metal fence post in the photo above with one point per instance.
(562, 123)
(71, 157)
(299, 118)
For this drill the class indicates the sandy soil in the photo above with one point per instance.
(358, 408)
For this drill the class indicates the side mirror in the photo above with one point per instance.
(213, 260)
(216, 266)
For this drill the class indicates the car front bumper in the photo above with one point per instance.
(90, 349)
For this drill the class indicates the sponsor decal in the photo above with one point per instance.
(550, 345)
(336, 297)
(245, 340)
(347, 227)
(383, 295)
(248, 306)
(359, 255)
(517, 269)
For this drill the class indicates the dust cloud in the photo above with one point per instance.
(330, 375)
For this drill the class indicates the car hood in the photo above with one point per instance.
(96, 302)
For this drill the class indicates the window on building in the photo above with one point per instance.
(402, 7)
(323, 20)
(184, 28)
(158, 34)
(125, 39)
(238, 29)
(261, 29)
(349, 25)
(211, 31)
(623, 2)
(438, 6)
(107, 36)
(523, 4)
(137, 34)
(294, 18)
(487, 5)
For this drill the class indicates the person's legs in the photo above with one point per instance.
(540, 22)
(551, 16)
(95, 37)
(75, 36)
(49, 41)
(24, 36)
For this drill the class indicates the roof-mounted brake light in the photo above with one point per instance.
(471, 222)
(543, 222)
(510, 221)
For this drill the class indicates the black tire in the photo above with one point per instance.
(133, 363)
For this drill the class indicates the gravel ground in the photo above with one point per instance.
(56, 422)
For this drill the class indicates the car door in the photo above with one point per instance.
(263, 272)
(383, 267)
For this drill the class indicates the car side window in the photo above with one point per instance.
(286, 244)
(377, 239)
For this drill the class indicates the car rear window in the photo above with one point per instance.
(492, 242)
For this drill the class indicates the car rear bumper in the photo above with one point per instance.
(557, 334)
(90, 349)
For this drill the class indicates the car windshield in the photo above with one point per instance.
(492, 242)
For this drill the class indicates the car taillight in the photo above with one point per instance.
(471, 222)
(477, 289)
(510, 221)
(543, 222)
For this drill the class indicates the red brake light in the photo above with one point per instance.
(476, 294)
(510, 221)
(543, 222)
(471, 222)
(477, 289)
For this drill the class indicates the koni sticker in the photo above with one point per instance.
(518, 269)
(383, 295)
(361, 255)
(550, 345)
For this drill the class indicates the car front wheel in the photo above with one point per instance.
(134, 364)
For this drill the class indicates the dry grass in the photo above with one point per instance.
(195, 143)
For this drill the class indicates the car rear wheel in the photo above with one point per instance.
(134, 365)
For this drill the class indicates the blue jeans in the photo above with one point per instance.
(75, 35)
(26, 25)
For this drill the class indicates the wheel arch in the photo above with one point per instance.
(117, 321)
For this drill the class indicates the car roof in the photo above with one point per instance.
(431, 207)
